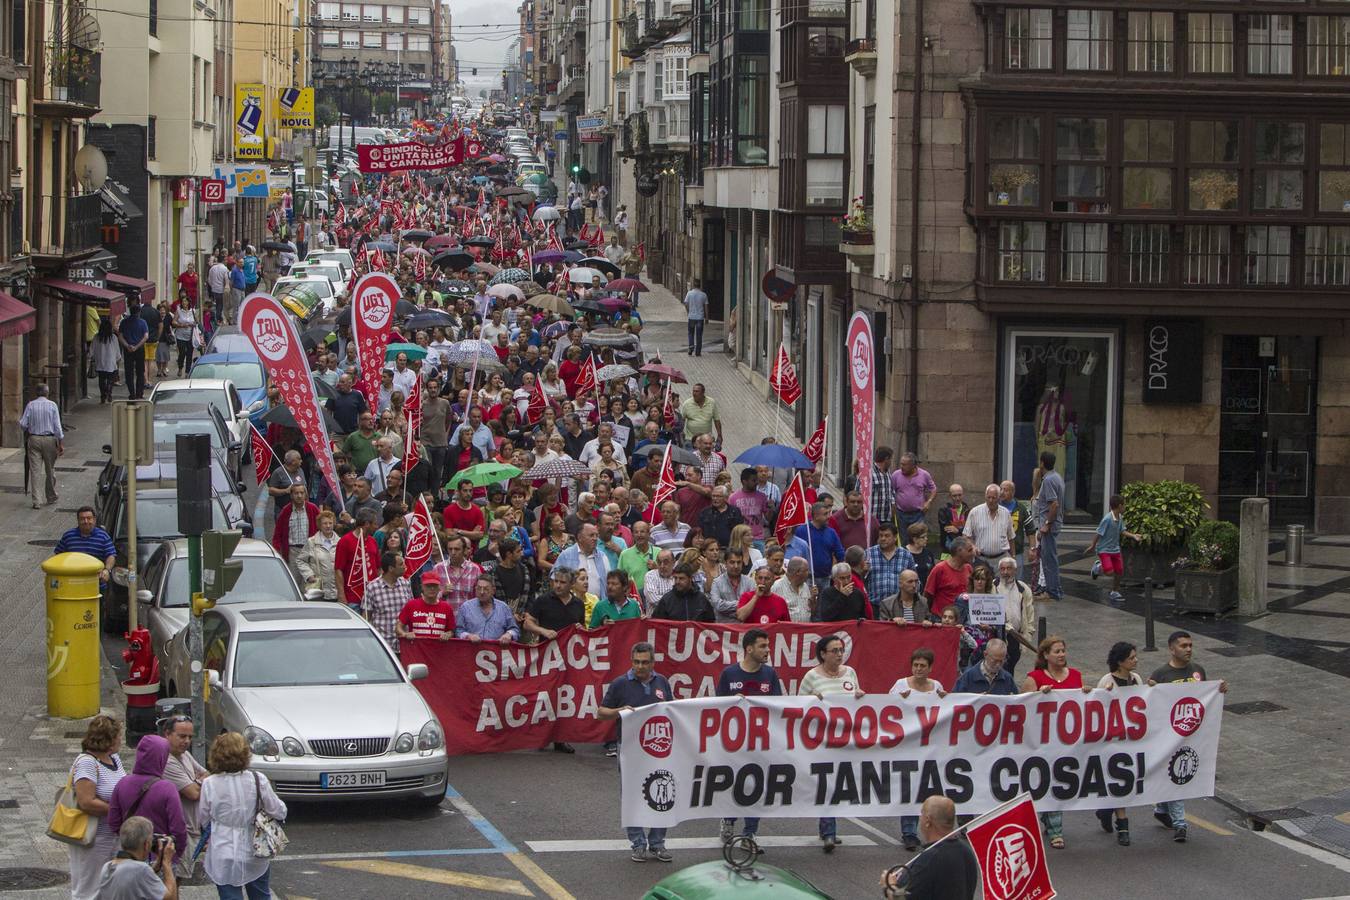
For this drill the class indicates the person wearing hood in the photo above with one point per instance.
(146, 792)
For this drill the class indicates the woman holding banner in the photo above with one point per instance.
(830, 676)
(920, 664)
(1121, 662)
(1052, 673)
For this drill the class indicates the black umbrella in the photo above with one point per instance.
(678, 455)
(344, 317)
(499, 171)
(315, 336)
(571, 242)
(405, 308)
(431, 318)
(453, 260)
(417, 234)
(325, 390)
(604, 265)
(481, 240)
(589, 306)
(511, 191)
(281, 415)
(276, 245)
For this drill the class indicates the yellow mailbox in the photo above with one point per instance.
(71, 582)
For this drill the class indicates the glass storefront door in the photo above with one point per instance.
(1268, 428)
(1060, 393)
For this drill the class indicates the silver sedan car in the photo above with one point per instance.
(323, 701)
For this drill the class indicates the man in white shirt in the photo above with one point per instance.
(186, 774)
(217, 278)
(405, 378)
(493, 327)
(796, 588)
(671, 534)
(659, 581)
(591, 451)
(377, 472)
(990, 527)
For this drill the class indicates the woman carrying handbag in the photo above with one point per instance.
(242, 812)
(93, 776)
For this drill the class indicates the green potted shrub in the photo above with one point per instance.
(1163, 514)
(1207, 574)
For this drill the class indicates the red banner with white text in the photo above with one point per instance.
(373, 303)
(492, 698)
(408, 156)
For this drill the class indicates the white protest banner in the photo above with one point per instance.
(986, 609)
(882, 755)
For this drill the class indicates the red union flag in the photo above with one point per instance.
(1011, 853)
(420, 537)
(586, 377)
(862, 385)
(664, 488)
(783, 378)
(269, 329)
(538, 403)
(793, 511)
(372, 315)
(262, 454)
(815, 447)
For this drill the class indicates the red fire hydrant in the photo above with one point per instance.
(142, 683)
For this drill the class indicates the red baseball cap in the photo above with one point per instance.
(431, 576)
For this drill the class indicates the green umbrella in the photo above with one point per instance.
(484, 474)
(414, 351)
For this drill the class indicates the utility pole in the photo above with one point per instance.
(133, 444)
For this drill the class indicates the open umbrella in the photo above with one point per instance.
(405, 308)
(610, 373)
(776, 456)
(529, 288)
(604, 265)
(282, 415)
(453, 260)
(613, 304)
(279, 246)
(665, 371)
(678, 455)
(416, 251)
(483, 474)
(609, 337)
(414, 351)
(558, 468)
(480, 240)
(548, 256)
(416, 234)
(386, 246)
(457, 288)
(557, 329)
(316, 335)
(539, 178)
(431, 318)
(485, 268)
(505, 291)
(440, 242)
(497, 158)
(462, 353)
(552, 303)
(510, 276)
(583, 275)
(627, 285)
(547, 214)
(510, 191)
(573, 256)
(325, 390)
(589, 306)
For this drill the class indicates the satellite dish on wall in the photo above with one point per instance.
(91, 167)
(83, 31)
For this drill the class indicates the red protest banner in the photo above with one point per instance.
(262, 454)
(372, 315)
(1011, 853)
(815, 446)
(420, 538)
(492, 699)
(862, 386)
(269, 329)
(794, 509)
(783, 378)
(408, 156)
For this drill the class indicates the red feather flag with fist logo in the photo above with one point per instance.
(262, 454)
(664, 488)
(420, 537)
(783, 378)
(1011, 852)
(793, 511)
(815, 447)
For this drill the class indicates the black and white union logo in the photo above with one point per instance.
(1183, 765)
(659, 790)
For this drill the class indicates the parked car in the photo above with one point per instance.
(163, 473)
(336, 273)
(301, 296)
(323, 701)
(333, 254)
(171, 420)
(156, 521)
(219, 393)
(244, 370)
(164, 598)
(228, 339)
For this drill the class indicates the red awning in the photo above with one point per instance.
(16, 317)
(128, 285)
(74, 292)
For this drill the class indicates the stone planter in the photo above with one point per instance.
(856, 237)
(1206, 590)
(1140, 563)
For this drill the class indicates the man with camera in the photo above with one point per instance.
(129, 875)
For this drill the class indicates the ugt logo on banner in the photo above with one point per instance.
(862, 374)
(1009, 848)
(373, 302)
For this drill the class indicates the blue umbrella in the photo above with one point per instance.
(775, 456)
(480, 179)
(572, 256)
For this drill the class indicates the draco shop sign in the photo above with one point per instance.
(1173, 369)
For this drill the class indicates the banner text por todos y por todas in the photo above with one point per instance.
(492, 698)
(882, 755)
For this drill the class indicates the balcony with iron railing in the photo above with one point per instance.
(861, 54)
(72, 82)
(67, 226)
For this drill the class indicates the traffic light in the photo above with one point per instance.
(219, 571)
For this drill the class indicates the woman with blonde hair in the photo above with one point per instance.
(742, 544)
(94, 774)
(229, 799)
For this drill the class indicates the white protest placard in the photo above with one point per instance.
(986, 609)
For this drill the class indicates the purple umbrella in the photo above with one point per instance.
(549, 256)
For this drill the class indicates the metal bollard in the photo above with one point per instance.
(1040, 629)
(1148, 614)
(1293, 545)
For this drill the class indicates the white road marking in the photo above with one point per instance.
(877, 832)
(1317, 853)
(708, 843)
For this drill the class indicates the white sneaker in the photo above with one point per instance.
(1096, 569)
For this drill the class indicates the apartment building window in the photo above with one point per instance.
(657, 120)
(825, 133)
(752, 15)
(1147, 141)
(1147, 252)
(1278, 154)
(1326, 256)
(1270, 44)
(677, 76)
(394, 41)
(640, 95)
(820, 232)
(372, 12)
(372, 40)
(1333, 173)
(869, 154)
(1021, 251)
(1150, 41)
(1014, 161)
(1212, 180)
(1088, 44)
(150, 149)
(1082, 252)
(351, 12)
(420, 42)
(621, 104)
(1028, 39)
(1208, 254)
(330, 10)
(1209, 43)
(677, 116)
(351, 40)
(1080, 165)
(752, 110)
(1329, 45)
(1268, 252)
(328, 38)
(18, 40)
(658, 80)
(154, 18)
(393, 15)
(419, 16)
(196, 89)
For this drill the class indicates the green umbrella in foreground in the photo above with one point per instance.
(414, 351)
(484, 474)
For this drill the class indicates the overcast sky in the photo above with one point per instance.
(484, 48)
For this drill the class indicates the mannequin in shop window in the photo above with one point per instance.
(1057, 432)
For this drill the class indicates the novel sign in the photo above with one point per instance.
(1173, 370)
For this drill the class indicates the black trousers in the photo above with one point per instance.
(134, 363)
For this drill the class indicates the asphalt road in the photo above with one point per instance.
(545, 825)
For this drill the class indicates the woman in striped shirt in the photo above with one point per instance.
(831, 676)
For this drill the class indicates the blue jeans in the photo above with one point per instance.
(695, 335)
(651, 838)
(909, 827)
(1053, 823)
(1175, 809)
(258, 889)
(1050, 564)
(907, 519)
(829, 827)
(751, 825)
